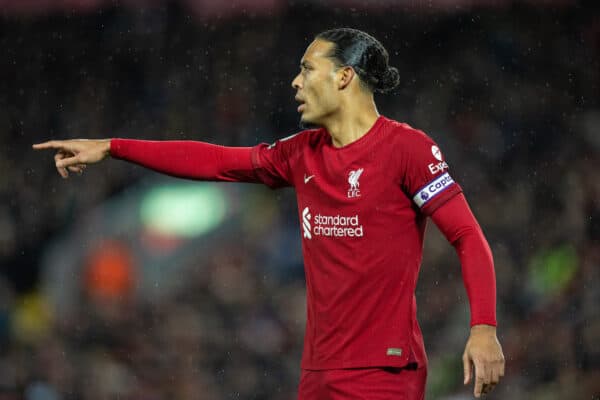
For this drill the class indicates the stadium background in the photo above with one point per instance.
(123, 284)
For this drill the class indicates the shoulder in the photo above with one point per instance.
(417, 151)
(298, 140)
(401, 133)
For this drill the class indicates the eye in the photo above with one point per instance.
(305, 68)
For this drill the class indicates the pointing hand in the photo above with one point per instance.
(74, 155)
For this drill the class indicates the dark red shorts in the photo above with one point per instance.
(363, 384)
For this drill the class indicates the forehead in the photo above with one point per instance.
(317, 52)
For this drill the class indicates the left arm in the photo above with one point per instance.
(483, 351)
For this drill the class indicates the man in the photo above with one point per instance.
(365, 185)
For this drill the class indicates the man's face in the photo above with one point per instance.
(316, 88)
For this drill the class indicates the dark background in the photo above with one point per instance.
(510, 91)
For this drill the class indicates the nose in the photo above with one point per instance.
(297, 82)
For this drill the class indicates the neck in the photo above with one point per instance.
(352, 121)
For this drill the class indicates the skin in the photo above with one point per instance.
(334, 98)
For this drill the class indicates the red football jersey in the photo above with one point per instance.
(362, 210)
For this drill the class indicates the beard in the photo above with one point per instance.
(307, 124)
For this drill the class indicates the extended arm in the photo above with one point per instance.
(184, 159)
(458, 224)
(188, 159)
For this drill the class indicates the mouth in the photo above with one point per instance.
(302, 105)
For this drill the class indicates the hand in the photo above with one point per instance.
(74, 155)
(485, 353)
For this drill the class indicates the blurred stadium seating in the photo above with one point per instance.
(511, 91)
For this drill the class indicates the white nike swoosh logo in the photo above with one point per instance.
(308, 178)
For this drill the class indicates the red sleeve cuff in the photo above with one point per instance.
(484, 321)
(116, 148)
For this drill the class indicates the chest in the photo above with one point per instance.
(346, 181)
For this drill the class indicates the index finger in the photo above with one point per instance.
(51, 144)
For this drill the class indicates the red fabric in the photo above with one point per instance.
(188, 159)
(458, 224)
(362, 238)
(362, 211)
(368, 383)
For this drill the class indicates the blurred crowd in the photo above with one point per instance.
(512, 96)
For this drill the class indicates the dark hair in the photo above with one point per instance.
(365, 55)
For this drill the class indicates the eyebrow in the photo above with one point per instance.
(305, 64)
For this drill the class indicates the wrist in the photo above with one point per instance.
(483, 329)
(106, 147)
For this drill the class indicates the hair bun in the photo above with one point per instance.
(365, 54)
(389, 80)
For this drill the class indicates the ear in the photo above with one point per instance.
(345, 76)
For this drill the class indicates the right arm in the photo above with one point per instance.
(188, 159)
(184, 159)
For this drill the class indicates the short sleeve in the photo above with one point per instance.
(272, 162)
(427, 179)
